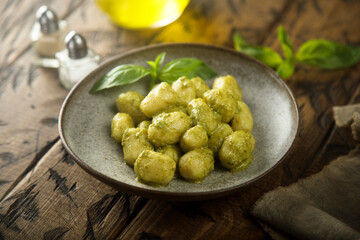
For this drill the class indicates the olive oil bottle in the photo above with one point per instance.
(138, 14)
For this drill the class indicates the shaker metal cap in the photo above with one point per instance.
(76, 45)
(47, 20)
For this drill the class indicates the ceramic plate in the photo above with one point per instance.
(84, 122)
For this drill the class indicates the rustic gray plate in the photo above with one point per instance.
(84, 122)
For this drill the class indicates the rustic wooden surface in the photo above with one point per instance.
(44, 194)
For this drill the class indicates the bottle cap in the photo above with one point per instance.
(47, 19)
(76, 45)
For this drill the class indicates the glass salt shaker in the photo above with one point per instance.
(47, 36)
(76, 61)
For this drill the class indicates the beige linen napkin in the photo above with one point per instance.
(325, 205)
(349, 115)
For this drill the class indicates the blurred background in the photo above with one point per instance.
(31, 97)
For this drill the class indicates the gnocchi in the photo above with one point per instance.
(119, 123)
(217, 138)
(222, 102)
(228, 83)
(185, 90)
(243, 119)
(154, 168)
(172, 151)
(129, 103)
(200, 86)
(167, 128)
(159, 98)
(202, 115)
(135, 140)
(184, 126)
(236, 151)
(196, 164)
(195, 137)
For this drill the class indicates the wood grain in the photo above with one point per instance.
(16, 20)
(28, 112)
(50, 197)
(316, 92)
(31, 92)
(29, 118)
(30, 96)
(56, 199)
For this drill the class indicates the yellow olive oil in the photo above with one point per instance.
(137, 14)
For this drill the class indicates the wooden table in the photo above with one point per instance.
(44, 194)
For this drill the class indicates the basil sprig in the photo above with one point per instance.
(327, 55)
(317, 52)
(120, 75)
(264, 54)
(126, 74)
(189, 67)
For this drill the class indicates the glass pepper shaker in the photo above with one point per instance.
(47, 35)
(76, 61)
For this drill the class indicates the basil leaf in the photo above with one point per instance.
(286, 69)
(264, 54)
(155, 67)
(327, 54)
(238, 41)
(285, 41)
(153, 72)
(152, 65)
(189, 67)
(120, 75)
(160, 59)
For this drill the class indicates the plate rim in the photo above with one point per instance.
(156, 192)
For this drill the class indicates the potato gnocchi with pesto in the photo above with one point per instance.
(184, 127)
